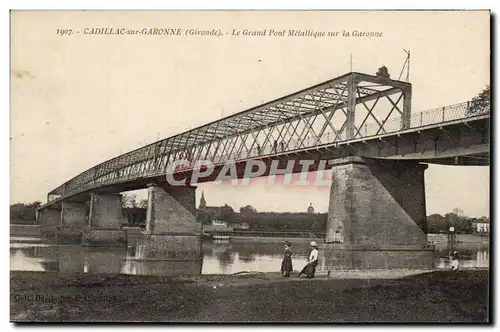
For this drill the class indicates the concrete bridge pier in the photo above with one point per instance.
(105, 221)
(171, 209)
(49, 219)
(74, 216)
(377, 216)
(172, 237)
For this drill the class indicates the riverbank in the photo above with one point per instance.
(372, 296)
(20, 230)
(460, 238)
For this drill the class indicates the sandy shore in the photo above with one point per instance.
(375, 296)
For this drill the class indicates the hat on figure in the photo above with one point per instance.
(288, 243)
(313, 244)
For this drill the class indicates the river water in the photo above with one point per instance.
(32, 254)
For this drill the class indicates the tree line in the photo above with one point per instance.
(480, 103)
(25, 214)
(135, 213)
(263, 220)
(437, 223)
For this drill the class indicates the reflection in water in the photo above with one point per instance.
(25, 239)
(246, 258)
(219, 258)
(20, 261)
(225, 260)
(131, 265)
(140, 252)
(477, 257)
(236, 257)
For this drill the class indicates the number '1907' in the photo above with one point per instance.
(64, 32)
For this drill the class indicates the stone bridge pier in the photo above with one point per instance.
(171, 209)
(74, 216)
(172, 233)
(376, 216)
(49, 219)
(105, 221)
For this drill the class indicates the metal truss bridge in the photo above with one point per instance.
(354, 114)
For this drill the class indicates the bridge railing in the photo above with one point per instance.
(392, 125)
(421, 119)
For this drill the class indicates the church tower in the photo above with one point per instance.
(203, 202)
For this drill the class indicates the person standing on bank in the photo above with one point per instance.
(454, 260)
(286, 264)
(310, 269)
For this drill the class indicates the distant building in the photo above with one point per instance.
(219, 223)
(211, 210)
(213, 215)
(203, 202)
(241, 226)
(481, 227)
(214, 211)
(310, 209)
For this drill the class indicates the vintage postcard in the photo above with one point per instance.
(250, 166)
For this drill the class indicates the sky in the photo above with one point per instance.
(81, 99)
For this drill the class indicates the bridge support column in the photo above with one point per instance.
(105, 221)
(73, 220)
(171, 209)
(74, 214)
(377, 216)
(172, 241)
(49, 219)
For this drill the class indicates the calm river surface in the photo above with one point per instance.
(31, 254)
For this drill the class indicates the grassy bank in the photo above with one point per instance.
(430, 297)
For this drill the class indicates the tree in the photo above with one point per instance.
(227, 214)
(462, 225)
(205, 217)
(35, 205)
(436, 224)
(24, 213)
(459, 212)
(300, 221)
(129, 201)
(248, 209)
(481, 103)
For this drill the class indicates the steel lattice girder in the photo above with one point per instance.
(282, 121)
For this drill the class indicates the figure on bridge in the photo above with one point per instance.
(383, 72)
(310, 209)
